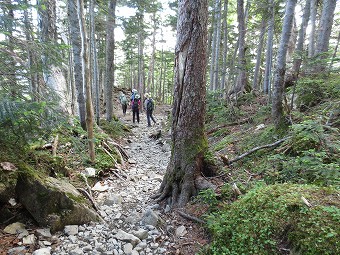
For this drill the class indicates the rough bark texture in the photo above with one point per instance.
(188, 138)
(277, 109)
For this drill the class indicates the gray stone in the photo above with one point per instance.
(181, 231)
(123, 236)
(140, 233)
(71, 230)
(44, 232)
(42, 251)
(30, 239)
(150, 218)
(15, 228)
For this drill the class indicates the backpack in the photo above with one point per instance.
(150, 105)
(123, 99)
(135, 101)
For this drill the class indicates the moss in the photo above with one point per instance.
(271, 218)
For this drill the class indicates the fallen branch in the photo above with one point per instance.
(117, 174)
(108, 153)
(192, 218)
(86, 194)
(120, 149)
(256, 149)
(229, 125)
(117, 152)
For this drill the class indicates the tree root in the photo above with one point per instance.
(192, 218)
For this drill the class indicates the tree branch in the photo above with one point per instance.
(229, 162)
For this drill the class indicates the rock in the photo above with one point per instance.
(181, 231)
(44, 232)
(140, 233)
(128, 248)
(123, 236)
(53, 202)
(71, 230)
(15, 228)
(42, 251)
(8, 166)
(30, 239)
(113, 199)
(89, 172)
(99, 186)
(132, 162)
(17, 250)
(150, 218)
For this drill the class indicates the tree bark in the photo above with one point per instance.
(76, 51)
(188, 138)
(225, 45)
(110, 45)
(277, 109)
(269, 50)
(259, 55)
(242, 73)
(87, 81)
(311, 43)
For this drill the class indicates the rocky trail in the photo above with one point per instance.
(132, 223)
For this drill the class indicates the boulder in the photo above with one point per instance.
(53, 203)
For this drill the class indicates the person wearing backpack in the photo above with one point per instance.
(123, 102)
(149, 107)
(135, 104)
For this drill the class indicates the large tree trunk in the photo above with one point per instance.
(77, 59)
(217, 48)
(188, 137)
(110, 44)
(53, 74)
(277, 109)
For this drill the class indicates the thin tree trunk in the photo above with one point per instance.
(277, 109)
(225, 45)
(242, 75)
(94, 61)
(311, 44)
(259, 55)
(109, 73)
(217, 47)
(269, 51)
(87, 81)
(213, 45)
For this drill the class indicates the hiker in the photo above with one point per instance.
(149, 107)
(123, 102)
(135, 104)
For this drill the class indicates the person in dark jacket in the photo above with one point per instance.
(135, 104)
(149, 107)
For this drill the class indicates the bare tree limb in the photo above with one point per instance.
(256, 149)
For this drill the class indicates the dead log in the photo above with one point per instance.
(55, 145)
(271, 145)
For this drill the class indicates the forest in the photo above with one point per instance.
(247, 108)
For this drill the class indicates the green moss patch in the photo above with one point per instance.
(275, 220)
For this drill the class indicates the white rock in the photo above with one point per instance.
(30, 239)
(181, 231)
(42, 251)
(71, 230)
(101, 187)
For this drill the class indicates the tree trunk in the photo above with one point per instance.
(188, 137)
(242, 73)
(110, 45)
(324, 33)
(301, 39)
(214, 44)
(87, 81)
(77, 58)
(311, 43)
(217, 46)
(94, 61)
(277, 109)
(269, 51)
(150, 84)
(225, 45)
(259, 55)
